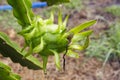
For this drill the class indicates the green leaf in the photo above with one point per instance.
(52, 2)
(12, 50)
(59, 18)
(22, 11)
(39, 47)
(78, 46)
(30, 51)
(6, 74)
(45, 60)
(50, 20)
(72, 54)
(57, 59)
(65, 21)
(81, 36)
(81, 27)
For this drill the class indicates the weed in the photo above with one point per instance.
(114, 9)
(7, 20)
(107, 47)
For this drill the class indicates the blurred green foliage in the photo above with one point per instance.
(66, 8)
(107, 45)
(74, 4)
(7, 20)
(53, 2)
(114, 9)
(98, 47)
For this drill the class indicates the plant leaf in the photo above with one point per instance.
(45, 60)
(72, 54)
(81, 36)
(81, 27)
(79, 47)
(12, 50)
(57, 59)
(39, 47)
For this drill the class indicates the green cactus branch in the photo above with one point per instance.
(7, 74)
(22, 11)
(12, 50)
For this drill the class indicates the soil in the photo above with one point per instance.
(76, 69)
